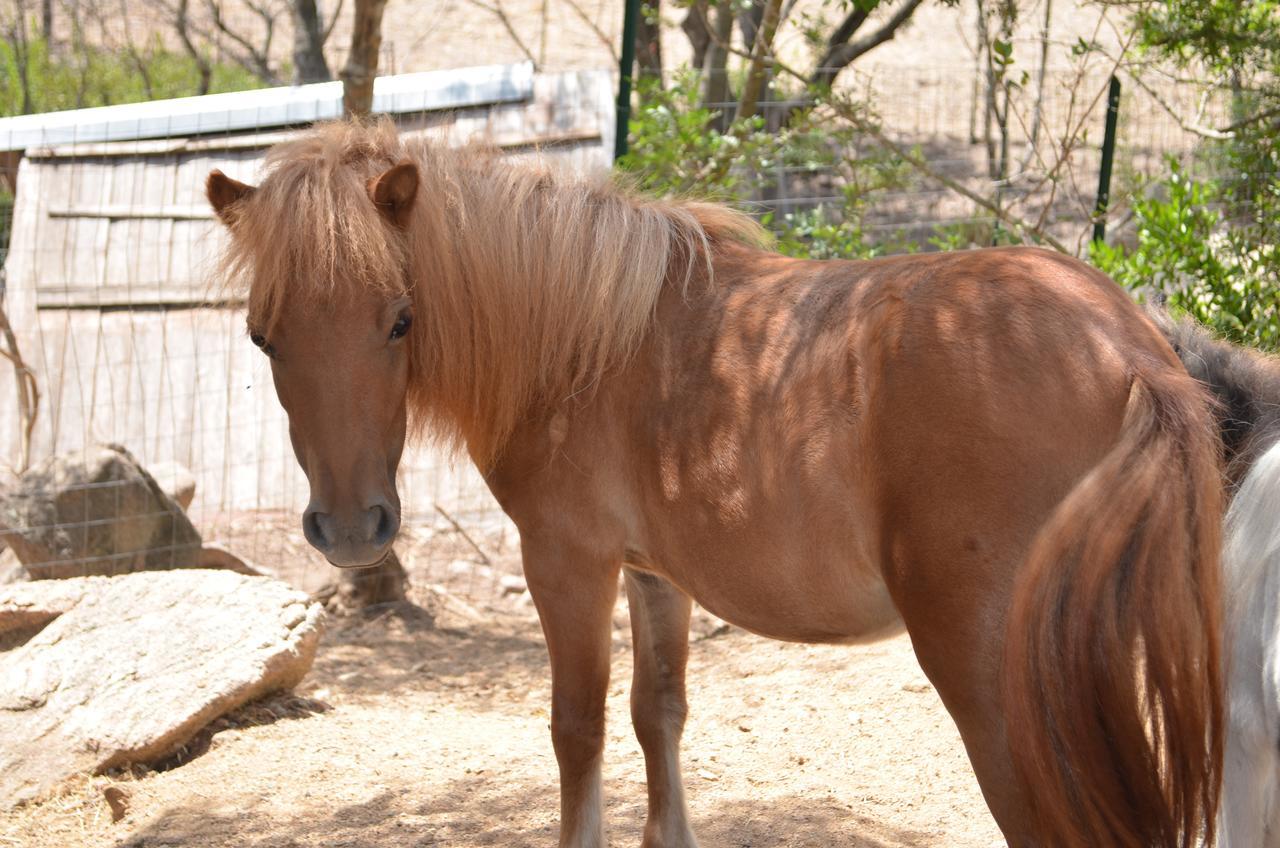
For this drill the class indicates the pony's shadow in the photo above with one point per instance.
(451, 815)
(408, 648)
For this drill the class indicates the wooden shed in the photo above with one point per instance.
(107, 278)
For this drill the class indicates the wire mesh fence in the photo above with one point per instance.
(107, 286)
(945, 155)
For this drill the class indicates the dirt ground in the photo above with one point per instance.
(427, 725)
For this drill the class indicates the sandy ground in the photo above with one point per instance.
(421, 728)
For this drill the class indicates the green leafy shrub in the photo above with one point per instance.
(677, 149)
(1212, 242)
(1206, 266)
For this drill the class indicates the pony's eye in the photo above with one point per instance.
(401, 327)
(260, 342)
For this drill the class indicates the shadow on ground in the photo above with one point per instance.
(453, 814)
(406, 649)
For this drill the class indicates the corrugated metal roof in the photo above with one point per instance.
(267, 107)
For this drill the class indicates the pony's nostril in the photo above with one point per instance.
(386, 524)
(313, 528)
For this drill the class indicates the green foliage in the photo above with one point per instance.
(826, 232)
(837, 230)
(91, 76)
(1206, 267)
(978, 232)
(676, 149)
(1215, 238)
(1222, 34)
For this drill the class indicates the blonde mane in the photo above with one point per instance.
(528, 283)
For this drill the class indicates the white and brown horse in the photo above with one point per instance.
(1247, 386)
(992, 448)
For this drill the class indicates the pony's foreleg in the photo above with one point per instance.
(660, 637)
(574, 594)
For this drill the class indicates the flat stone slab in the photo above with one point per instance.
(25, 605)
(131, 667)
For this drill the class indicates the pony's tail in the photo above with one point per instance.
(1112, 678)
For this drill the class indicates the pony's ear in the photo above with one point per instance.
(224, 194)
(393, 191)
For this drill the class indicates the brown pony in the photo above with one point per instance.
(994, 448)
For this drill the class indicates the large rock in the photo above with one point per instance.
(136, 665)
(97, 512)
(175, 480)
(27, 605)
(11, 570)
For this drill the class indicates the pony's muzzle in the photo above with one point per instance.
(352, 541)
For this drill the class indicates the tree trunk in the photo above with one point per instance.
(762, 48)
(182, 24)
(357, 588)
(362, 62)
(989, 89)
(1038, 114)
(22, 60)
(698, 30)
(749, 20)
(715, 72)
(309, 64)
(649, 40)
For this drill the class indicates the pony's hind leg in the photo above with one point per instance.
(1249, 812)
(1247, 815)
(575, 593)
(957, 638)
(660, 637)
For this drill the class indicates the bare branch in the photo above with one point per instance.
(840, 56)
(497, 11)
(251, 57)
(202, 64)
(840, 36)
(841, 52)
(1194, 128)
(484, 557)
(1252, 119)
(328, 31)
(606, 40)
(851, 114)
(1133, 71)
(28, 391)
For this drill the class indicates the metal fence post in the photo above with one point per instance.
(625, 67)
(1108, 156)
